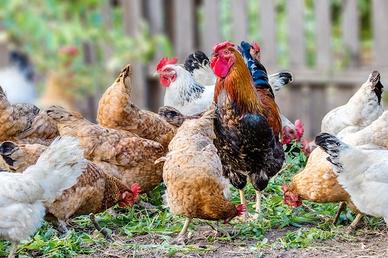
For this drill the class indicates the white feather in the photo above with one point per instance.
(22, 196)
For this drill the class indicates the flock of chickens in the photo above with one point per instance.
(220, 126)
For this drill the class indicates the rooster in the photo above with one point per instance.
(247, 124)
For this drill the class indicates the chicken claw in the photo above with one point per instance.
(181, 239)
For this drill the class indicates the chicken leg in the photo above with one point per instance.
(258, 201)
(12, 252)
(243, 201)
(341, 208)
(180, 239)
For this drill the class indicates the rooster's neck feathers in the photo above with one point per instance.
(239, 87)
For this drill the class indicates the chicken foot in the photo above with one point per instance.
(181, 238)
(103, 231)
(341, 208)
(12, 252)
(355, 222)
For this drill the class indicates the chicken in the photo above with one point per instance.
(18, 157)
(362, 173)
(292, 132)
(247, 124)
(276, 81)
(120, 153)
(115, 110)
(23, 196)
(14, 118)
(374, 136)
(94, 192)
(17, 79)
(318, 183)
(61, 85)
(60, 88)
(361, 110)
(25, 123)
(182, 91)
(192, 173)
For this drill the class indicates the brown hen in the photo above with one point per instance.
(95, 191)
(120, 153)
(24, 123)
(115, 110)
(193, 175)
(317, 182)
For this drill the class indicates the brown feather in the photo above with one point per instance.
(248, 98)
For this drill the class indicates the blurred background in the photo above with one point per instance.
(69, 52)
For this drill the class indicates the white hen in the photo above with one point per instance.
(374, 136)
(361, 110)
(17, 79)
(22, 196)
(362, 173)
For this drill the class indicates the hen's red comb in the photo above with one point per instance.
(256, 46)
(222, 45)
(166, 61)
(135, 189)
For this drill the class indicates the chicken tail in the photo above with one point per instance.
(280, 80)
(6, 150)
(374, 78)
(196, 60)
(332, 146)
(58, 168)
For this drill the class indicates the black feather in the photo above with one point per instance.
(332, 146)
(248, 148)
(196, 60)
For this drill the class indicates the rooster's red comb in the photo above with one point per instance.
(222, 45)
(166, 61)
(256, 46)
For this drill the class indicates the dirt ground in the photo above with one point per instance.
(363, 243)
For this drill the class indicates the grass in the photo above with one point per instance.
(140, 231)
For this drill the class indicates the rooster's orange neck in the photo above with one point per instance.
(239, 87)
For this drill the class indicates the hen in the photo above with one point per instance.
(24, 123)
(119, 153)
(23, 196)
(362, 173)
(94, 192)
(17, 79)
(361, 110)
(247, 124)
(318, 183)
(115, 110)
(374, 136)
(192, 173)
(190, 88)
(61, 85)
(18, 157)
